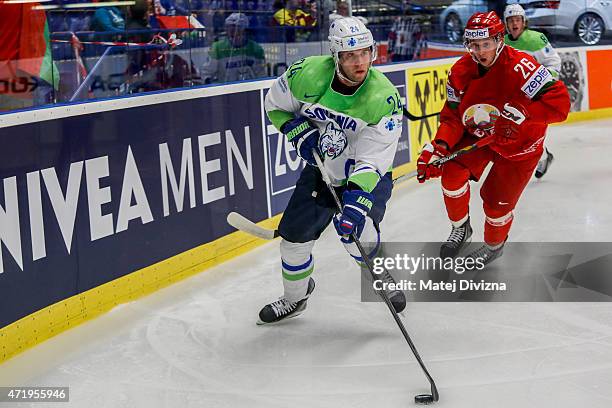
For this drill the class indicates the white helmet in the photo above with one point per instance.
(237, 19)
(514, 10)
(348, 34)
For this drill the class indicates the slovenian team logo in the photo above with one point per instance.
(352, 42)
(480, 119)
(390, 125)
(333, 141)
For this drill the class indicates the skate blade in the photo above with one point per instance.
(260, 322)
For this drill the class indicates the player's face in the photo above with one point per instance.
(355, 64)
(483, 50)
(515, 26)
(235, 34)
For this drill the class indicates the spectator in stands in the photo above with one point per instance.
(236, 57)
(139, 32)
(406, 39)
(138, 21)
(108, 19)
(174, 8)
(342, 10)
(290, 15)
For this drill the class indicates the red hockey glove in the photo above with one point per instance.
(431, 152)
(508, 125)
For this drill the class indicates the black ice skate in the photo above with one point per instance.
(458, 238)
(486, 255)
(397, 298)
(283, 309)
(544, 164)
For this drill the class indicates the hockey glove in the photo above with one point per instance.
(431, 152)
(356, 205)
(304, 136)
(508, 125)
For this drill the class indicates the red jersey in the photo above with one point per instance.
(475, 98)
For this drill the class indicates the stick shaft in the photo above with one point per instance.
(368, 262)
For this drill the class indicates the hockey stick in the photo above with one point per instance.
(421, 398)
(410, 116)
(242, 223)
(474, 146)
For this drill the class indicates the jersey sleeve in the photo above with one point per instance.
(280, 104)
(546, 55)
(376, 144)
(545, 98)
(375, 150)
(550, 106)
(451, 128)
(210, 70)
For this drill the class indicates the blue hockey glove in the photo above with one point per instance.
(356, 205)
(304, 136)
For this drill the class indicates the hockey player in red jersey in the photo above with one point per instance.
(503, 94)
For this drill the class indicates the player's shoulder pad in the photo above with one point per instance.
(216, 49)
(256, 49)
(380, 97)
(535, 40)
(310, 76)
(530, 76)
(459, 77)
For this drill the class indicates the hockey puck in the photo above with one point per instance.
(424, 399)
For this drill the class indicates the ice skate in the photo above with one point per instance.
(458, 239)
(544, 164)
(283, 309)
(486, 254)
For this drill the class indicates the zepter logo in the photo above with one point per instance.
(480, 118)
(333, 142)
(476, 34)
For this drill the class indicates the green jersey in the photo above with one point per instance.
(359, 132)
(536, 44)
(228, 63)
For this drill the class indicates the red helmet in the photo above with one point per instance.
(483, 25)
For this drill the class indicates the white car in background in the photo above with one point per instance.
(588, 20)
(454, 17)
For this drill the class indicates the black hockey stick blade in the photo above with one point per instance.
(410, 116)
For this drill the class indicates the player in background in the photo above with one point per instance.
(504, 94)
(537, 45)
(235, 57)
(351, 114)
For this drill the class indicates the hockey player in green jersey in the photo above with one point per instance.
(351, 115)
(537, 45)
(235, 57)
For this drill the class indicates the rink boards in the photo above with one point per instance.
(103, 202)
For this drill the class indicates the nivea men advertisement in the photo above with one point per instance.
(87, 199)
